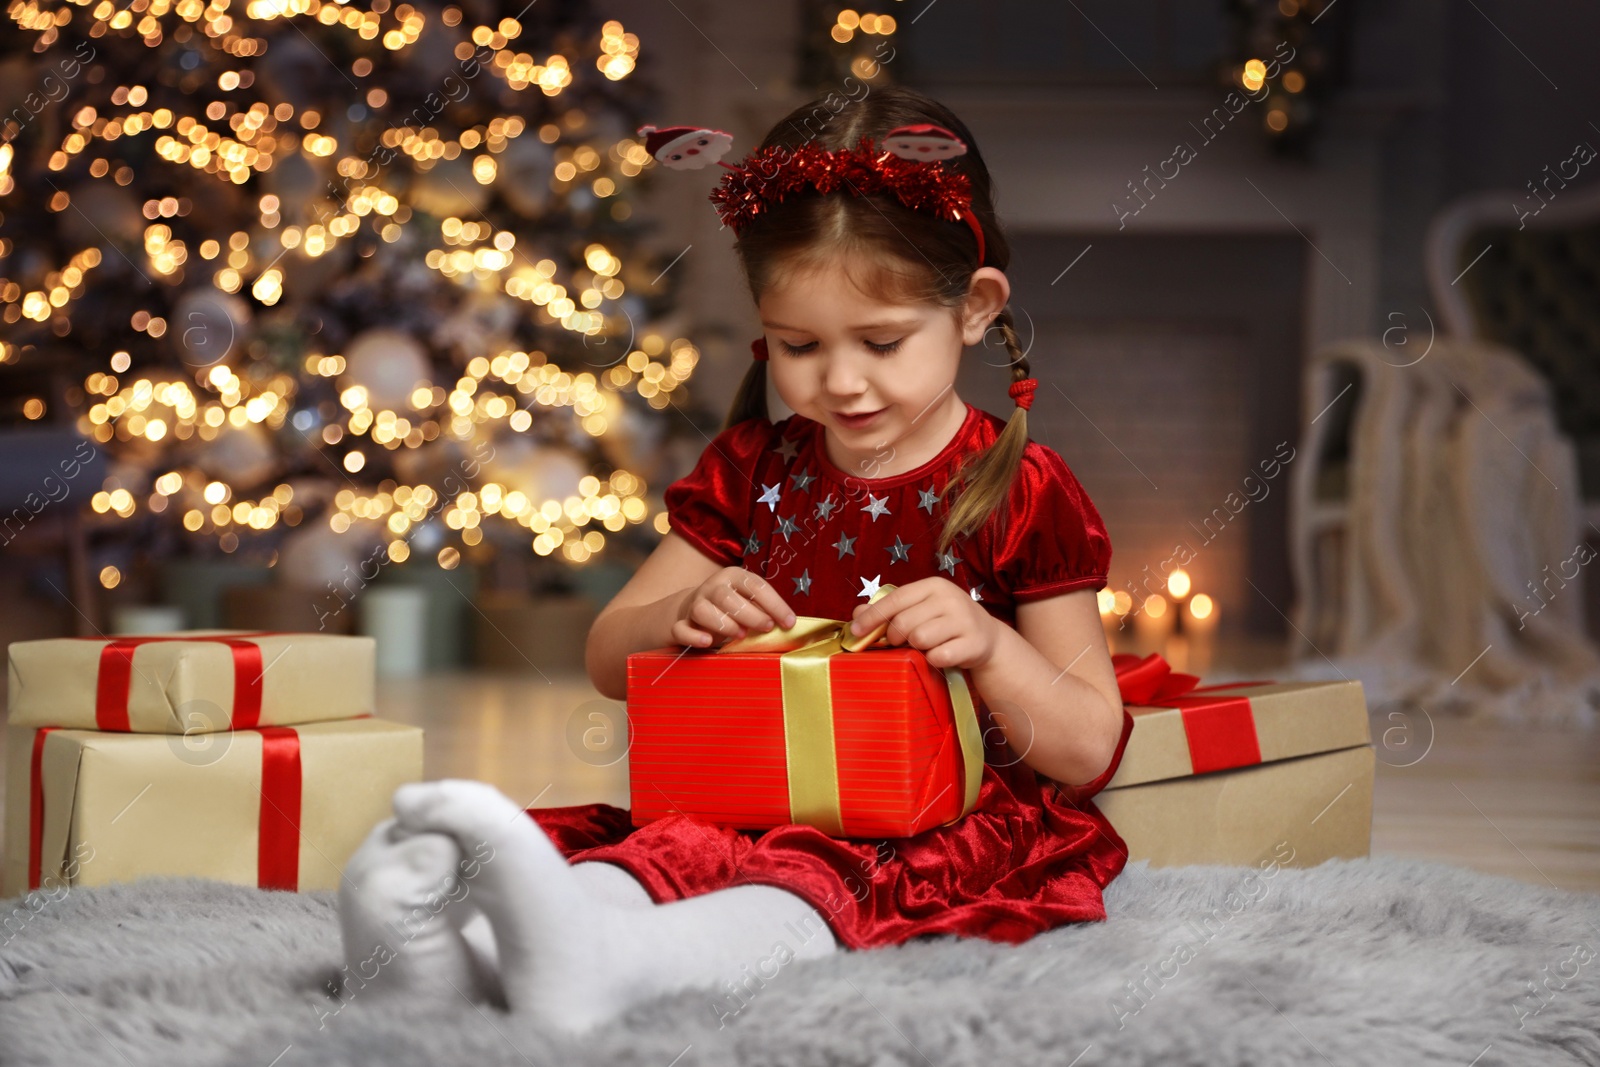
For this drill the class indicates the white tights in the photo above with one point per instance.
(463, 890)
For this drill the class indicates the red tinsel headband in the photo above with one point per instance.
(906, 166)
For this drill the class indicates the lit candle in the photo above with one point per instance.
(1175, 646)
(1178, 583)
(1153, 624)
(1106, 600)
(1201, 624)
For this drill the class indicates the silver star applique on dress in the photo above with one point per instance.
(825, 508)
(875, 506)
(927, 498)
(787, 526)
(803, 479)
(769, 496)
(948, 561)
(846, 545)
(868, 588)
(786, 448)
(974, 591)
(752, 545)
(802, 584)
(899, 552)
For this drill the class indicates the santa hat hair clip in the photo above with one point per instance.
(906, 165)
(686, 147)
(925, 141)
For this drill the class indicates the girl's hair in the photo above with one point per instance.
(905, 255)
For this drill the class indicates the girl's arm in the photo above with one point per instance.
(641, 615)
(1051, 688)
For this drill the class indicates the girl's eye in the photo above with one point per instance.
(800, 350)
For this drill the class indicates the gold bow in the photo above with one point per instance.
(806, 649)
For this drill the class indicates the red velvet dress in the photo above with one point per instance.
(1033, 854)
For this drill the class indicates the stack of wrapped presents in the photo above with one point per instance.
(808, 725)
(244, 757)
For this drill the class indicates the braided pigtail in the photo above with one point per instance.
(985, 478)
(750, 402)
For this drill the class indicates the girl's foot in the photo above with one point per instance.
(399, 923)
(571, 957)
(560, 952)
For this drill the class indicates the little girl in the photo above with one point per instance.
(871, 269)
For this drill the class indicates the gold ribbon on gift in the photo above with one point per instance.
(807, 647)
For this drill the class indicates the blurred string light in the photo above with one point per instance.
(575, 525)
(850, 22)
(153, 409)
(841, 42)
(620, 51)
(1289, 58)
(60, 288)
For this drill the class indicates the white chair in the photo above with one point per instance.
(1522, 268)
(1431, 511)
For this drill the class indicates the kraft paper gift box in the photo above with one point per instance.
(197, 680)
(1228, 774)
(805, 725)
(278, 807)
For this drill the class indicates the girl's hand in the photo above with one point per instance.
(730, 603)
(936, 617)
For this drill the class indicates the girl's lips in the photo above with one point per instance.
(857, 422)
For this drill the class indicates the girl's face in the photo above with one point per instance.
(879, 377)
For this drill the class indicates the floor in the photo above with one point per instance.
(1523, 805)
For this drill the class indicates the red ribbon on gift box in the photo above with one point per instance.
(36, 806)
(1221, 730)
(115, 678)
(278, 824)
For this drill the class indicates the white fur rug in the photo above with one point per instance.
(1381, 961)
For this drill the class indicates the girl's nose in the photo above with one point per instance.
(842, 376)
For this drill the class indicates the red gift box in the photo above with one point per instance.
(710, 736)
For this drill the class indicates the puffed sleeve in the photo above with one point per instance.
(711, 506)
(1052, 540)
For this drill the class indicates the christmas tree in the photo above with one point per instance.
(337, 277)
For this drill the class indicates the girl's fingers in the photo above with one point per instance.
(730, 606)
(769, 601)
(741, 609)
(759, 592)
(929, 635)
(686, 633)
(903, 622)
(772, 605)
(713, 619)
